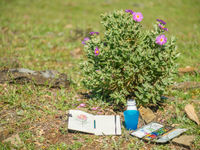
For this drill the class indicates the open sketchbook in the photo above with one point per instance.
(95, 124)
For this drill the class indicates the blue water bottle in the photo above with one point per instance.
(131, 115)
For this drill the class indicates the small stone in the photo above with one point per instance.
(49, 74)
(14, 140)
(23, 70)
(185, 140)
(147, 114)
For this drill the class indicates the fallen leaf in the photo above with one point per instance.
(147, 114)
(189, 109)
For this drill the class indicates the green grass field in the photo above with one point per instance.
(47, 34)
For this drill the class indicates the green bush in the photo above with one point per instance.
(127, 61)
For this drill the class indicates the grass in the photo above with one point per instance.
(43, 35)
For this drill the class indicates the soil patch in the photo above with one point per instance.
(50, 78)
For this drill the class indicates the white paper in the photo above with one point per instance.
(107, 125)
(98, 125)
(81, 121)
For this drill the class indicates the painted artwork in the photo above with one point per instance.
(82, 118)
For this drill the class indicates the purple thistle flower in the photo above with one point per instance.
(129, 11)
(162, 27)
(161, 21)
(166, 29)
(96, 51)
(161, 39)
(137, 16)
(85, 39)
(93, 33)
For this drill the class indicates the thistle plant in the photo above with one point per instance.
(127, 61)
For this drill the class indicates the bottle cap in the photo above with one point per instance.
(131, 105)
(131, 102)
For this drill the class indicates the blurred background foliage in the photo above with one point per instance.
(39, 32)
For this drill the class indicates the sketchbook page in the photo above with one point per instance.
(118, 125)
(141, 132)
(81, 121)
(107, 125)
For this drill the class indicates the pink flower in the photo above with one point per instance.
(161, 39)
(166, 29)
(96, 51)
(137, 16)
(99, 112)
(85, 39)
(93, 33)
(82, 117)
(161, 21)
(95, 108)
(162, 27)
(129, 11)
(162, 120)
(81, 105)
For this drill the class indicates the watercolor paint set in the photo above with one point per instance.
(155, 132)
